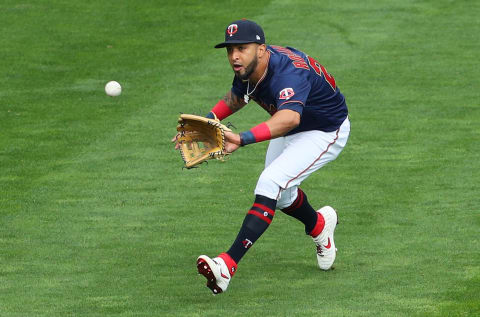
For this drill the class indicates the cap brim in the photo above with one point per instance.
(223, 44)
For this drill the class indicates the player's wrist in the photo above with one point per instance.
(256, 134)
(220, 111)
(211, 115)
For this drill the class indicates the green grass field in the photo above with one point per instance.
(97, 217)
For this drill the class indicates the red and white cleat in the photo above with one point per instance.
(326, 251)
(215, 271)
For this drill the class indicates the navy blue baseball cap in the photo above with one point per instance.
(241, 32)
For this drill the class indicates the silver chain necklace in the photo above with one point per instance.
(246, 97)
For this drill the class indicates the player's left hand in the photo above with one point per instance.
(174, 140)
(232, 141)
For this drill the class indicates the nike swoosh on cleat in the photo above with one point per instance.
(224, 276)
(329, 244)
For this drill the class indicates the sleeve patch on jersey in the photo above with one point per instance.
(286, 93)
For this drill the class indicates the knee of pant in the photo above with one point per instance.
(267, 187)
(287, 197)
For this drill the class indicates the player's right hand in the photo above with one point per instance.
(232, 141)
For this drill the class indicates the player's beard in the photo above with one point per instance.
(249, 69)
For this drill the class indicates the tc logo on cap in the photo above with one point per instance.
(286, 93)
(232, 29)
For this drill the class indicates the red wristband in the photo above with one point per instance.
(258, 133)
(261, 132)
(221, 110)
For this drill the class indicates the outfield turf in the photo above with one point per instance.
(97, 217)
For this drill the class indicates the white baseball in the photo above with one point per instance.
(113, 88)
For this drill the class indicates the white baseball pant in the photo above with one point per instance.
(291, 159)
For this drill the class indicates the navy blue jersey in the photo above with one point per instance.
(296, 81)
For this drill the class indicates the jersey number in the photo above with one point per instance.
(319, 69)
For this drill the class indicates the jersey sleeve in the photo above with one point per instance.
(291, 93)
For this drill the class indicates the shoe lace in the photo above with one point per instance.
(319, 250)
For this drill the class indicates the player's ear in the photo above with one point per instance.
(261, 49)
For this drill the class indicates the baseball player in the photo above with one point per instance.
(308, 128)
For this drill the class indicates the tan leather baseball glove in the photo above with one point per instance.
(200, 139)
